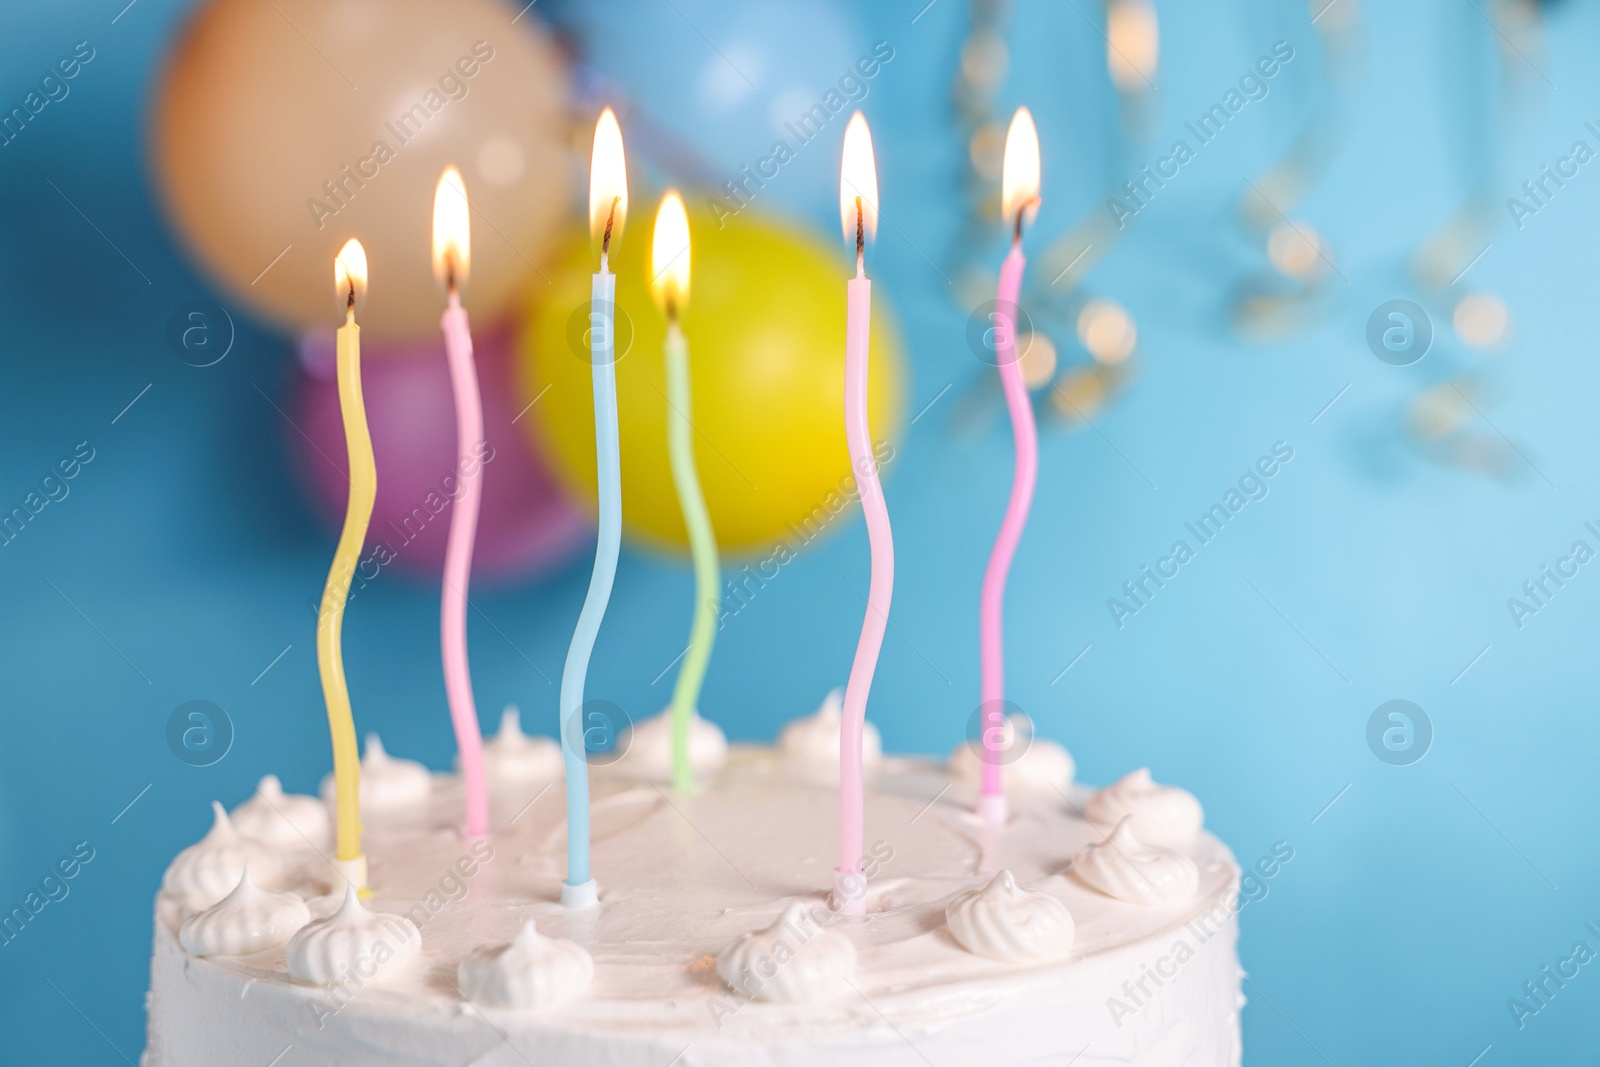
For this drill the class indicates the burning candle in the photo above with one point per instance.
(1019, 200)
(350, 286)
(608, 208)
(669, 282)
(858, 209)
(452, 256)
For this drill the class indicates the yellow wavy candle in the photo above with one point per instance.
(330, 658)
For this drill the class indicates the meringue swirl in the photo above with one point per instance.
(1002, 921)
(279, 818)
(529, 971)
(796, 960)
(513, 757)
(810, 745)
(249, 919)
(352, 942)
(388, 784)
(209, 869)
(1126, 868)
(1043, 767)
(647, 748)
(1162, 814)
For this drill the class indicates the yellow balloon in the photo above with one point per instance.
(281, 129)
(765, 328)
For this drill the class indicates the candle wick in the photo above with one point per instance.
(1016, 234)
(350, 302)
(861, 230)
(672, 309)
(611, 218)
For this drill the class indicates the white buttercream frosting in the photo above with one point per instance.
(675, 898)
(388, 784)
(529, 971)
(1005, 922)
(796, 960)
(512, 756)
(647, 748)
(280, 818)
(208, 870)
(353, 941)
(810, 745)
(1162, 814)
(1044, 766)
(1124, 867)
(249, 919)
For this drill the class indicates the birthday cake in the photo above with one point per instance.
(1094, 927)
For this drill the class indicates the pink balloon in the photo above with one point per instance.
(527, 525)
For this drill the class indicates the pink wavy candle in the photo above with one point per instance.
(991, 608)
(458, 563)
(849, 884)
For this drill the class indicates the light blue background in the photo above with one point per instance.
(1414, 907)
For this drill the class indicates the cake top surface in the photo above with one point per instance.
(683, 876)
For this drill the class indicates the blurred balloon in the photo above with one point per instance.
(281, 129)
(724, 79)
(765, 323)
(527, 525)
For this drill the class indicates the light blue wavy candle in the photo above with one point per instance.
(608, 472)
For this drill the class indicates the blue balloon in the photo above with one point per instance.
(745, 104)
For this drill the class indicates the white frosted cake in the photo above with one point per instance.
(1093, 928)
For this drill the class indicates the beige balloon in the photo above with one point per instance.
(283, 129)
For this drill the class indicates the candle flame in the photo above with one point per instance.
(452, 230)
(1019, 175)
(858, 184)
(669, 254)
(350, 276)
(608, 183)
